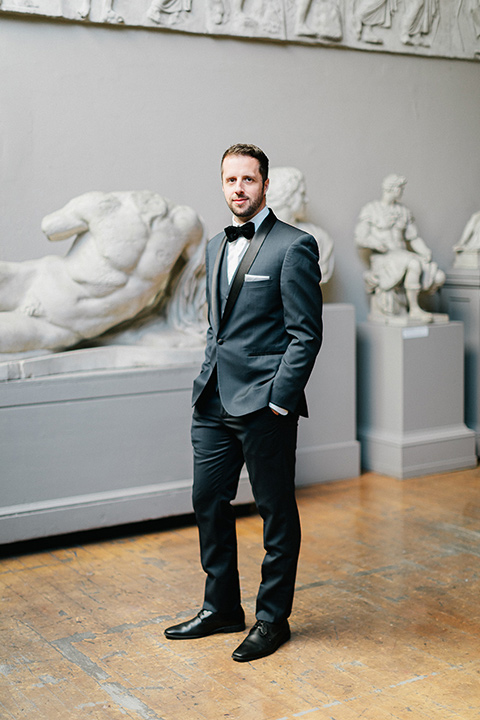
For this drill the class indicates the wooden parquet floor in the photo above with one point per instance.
(386, 621)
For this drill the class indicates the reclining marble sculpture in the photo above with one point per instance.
(132, 252)
(287, 197)
(401, 265)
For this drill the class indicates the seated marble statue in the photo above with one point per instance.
(470, 239)
(127, 249)
(287, 197)
(401, 265)
(467, 250)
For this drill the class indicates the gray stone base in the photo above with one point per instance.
(460, 297)
(328, 448)
(411, 400)
(83, 450)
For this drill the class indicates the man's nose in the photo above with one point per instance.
(239, 187)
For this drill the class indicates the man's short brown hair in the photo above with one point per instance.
(251, 151)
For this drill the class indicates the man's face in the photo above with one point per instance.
(243, 186)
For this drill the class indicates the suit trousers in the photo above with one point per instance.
(267, 444)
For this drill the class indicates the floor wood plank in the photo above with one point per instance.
(386, 621)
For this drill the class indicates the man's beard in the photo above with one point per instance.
(248, 211)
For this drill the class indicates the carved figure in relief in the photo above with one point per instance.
(108, 13)
(257, 15)
(287, 196)
(468, 24)
(475, 13)
(319, 18)
(84, 10)
(418, 22)
(371, 13)
(24, 3)
(217, 11)
(128, 250)
(401, 264)
(168, 11)
(474, 16)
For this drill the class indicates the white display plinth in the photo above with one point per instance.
(83, 450)
(460, 297)
(411, 400)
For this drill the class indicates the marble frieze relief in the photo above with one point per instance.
(442, 28)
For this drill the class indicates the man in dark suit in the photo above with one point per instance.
(265, 330)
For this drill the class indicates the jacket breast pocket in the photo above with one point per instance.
(256, 280)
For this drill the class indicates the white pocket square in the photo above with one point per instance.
(256, 278)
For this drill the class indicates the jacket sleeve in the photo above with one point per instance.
(210, 334)
(302, 306)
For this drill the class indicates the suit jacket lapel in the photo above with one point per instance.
(243, 268)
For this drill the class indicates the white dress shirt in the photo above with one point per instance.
(238, 248)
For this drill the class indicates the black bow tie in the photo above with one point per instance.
(233, 232)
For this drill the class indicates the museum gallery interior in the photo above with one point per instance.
(114, 118)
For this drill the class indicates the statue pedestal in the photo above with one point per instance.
(460, 297)
(411, 400)
(467, 259)
(102, 447)
(328, 448)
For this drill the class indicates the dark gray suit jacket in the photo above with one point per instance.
(265, 345)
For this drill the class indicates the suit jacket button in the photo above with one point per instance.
(220, 341)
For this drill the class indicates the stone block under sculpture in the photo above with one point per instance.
(134, 254)
(401, 265)
(287, 196)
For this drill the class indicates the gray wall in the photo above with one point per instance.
(84, 107)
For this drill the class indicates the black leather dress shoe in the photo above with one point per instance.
(262, 640)
(206, 623)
